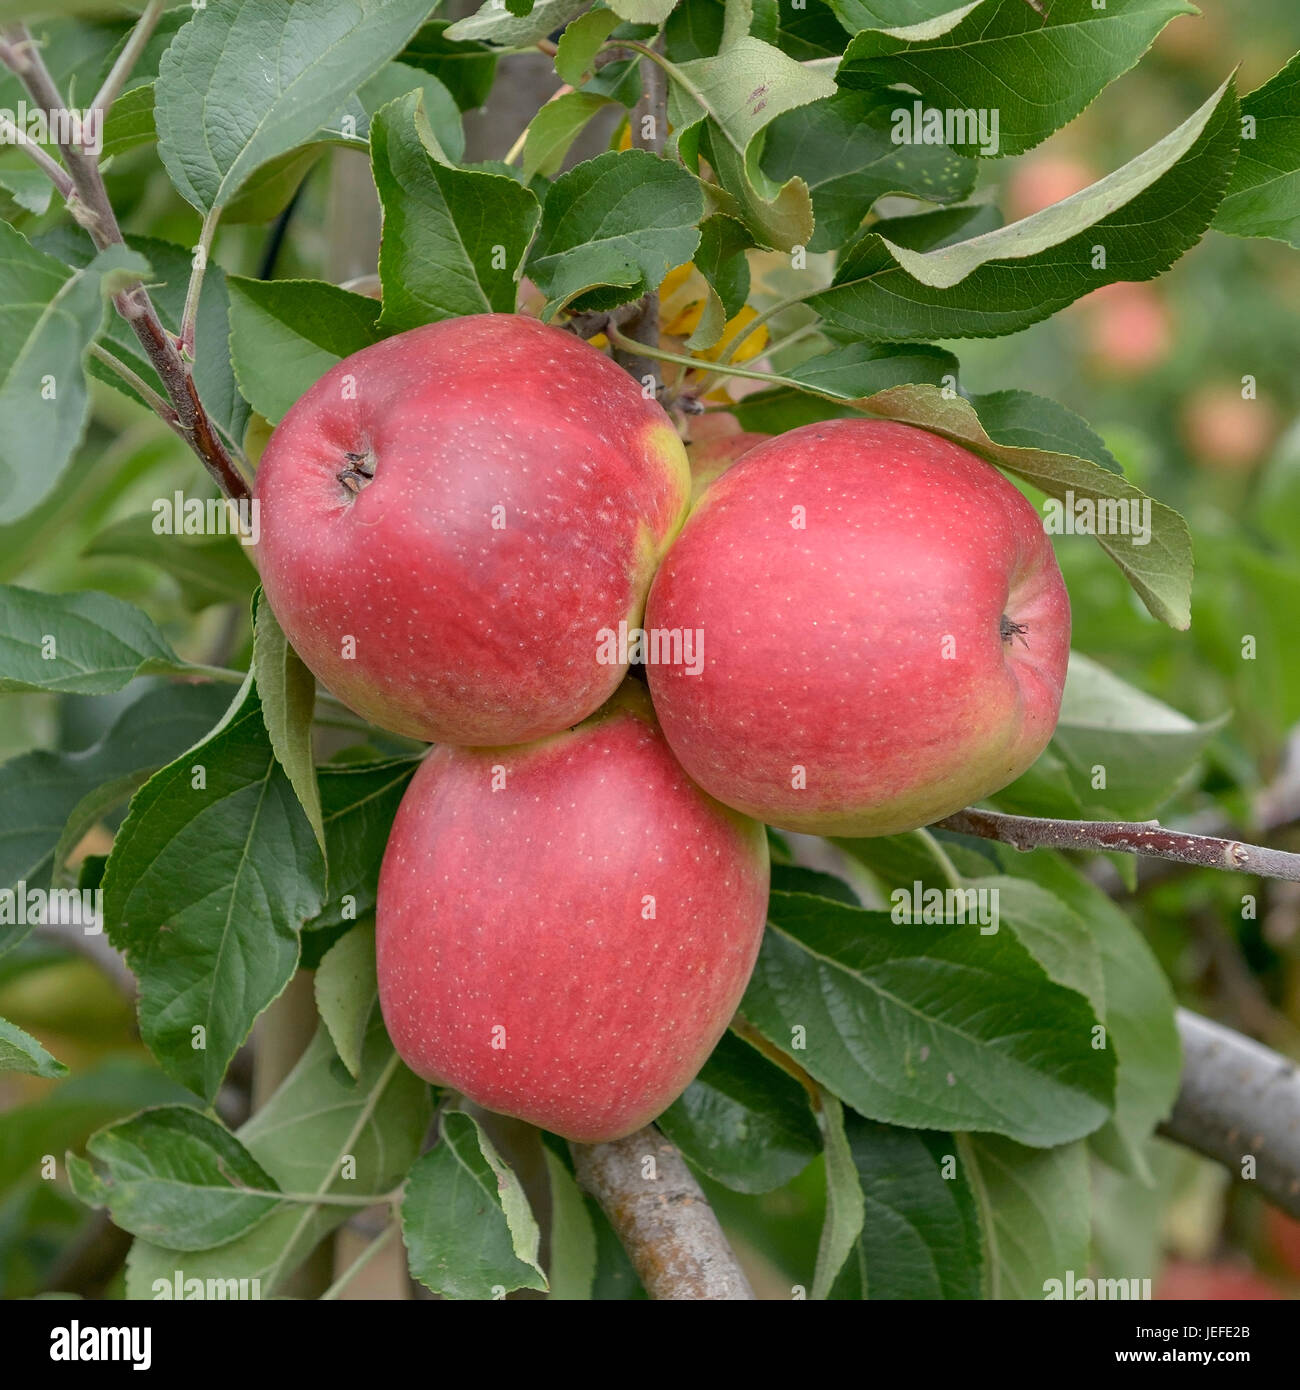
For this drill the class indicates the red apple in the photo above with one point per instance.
(884, 631)
(710, 458)
(564, 930)
(451, 517)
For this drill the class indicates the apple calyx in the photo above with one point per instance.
(360, 470)
(1008, 629)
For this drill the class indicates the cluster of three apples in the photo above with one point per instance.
(860, 628)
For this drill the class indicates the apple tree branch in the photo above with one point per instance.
(1239, 1104)
(1126, 837)
(661, 1217)
(89, 203)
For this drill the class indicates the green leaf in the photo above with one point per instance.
(242, 83)
(79, 644)
(694, 30)
(174, 1177)
(1146, 750)
(721, 260)
(1132, 225)
(358, 803)
(576, 51)
(860, 370)
(265, 194)
(30, 189)
(856, 15)
(1139, 1012)
(19, 1051)
(927, 231)
(321, 1132)
(554, 129)
(1263, 198)
(465, 69)
(933, 1027)
(212, 875)
(352, 126)
(465, 1219)
(208, 568)
(48, 801)
(643, 11)
(493, 23)
(70, 1111)
(572, 1266)
(1019, 425)
(288, 694)
(743, 1120)
(1035, 1210)
(50, 319)
(920, 1232)
(845, 1206)
(794, 878)
(899, 861)
(1055, 935)
(740, 91)
(286, 334)
(1062, 58)
(809, 33)
(346, 988)
(612, 228)
(453, 239)
(130, 122)
(841, 147)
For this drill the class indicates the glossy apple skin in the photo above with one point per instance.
(524, 909)
(824, 647)
(523, 492)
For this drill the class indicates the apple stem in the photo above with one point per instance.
(1127, 837)
(664, 1222)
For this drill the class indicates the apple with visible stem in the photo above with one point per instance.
(565, 929)
(452, 517)
(884, 631)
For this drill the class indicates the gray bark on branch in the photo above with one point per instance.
(663, 1221)
(1128, 837)
(1239, 1101)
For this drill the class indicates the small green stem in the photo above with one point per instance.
(712, 377)
(215, 673)
(151, 398)
(129, 56)
(49, 167)
(191, 312)
(755, 324)
(328, 1199)
(626, 344)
